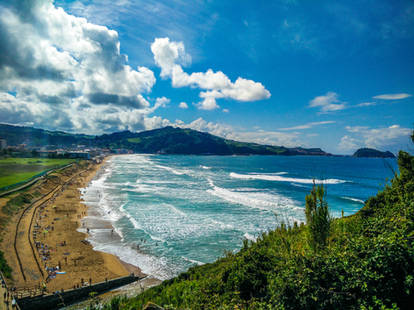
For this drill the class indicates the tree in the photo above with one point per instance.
(317, 217)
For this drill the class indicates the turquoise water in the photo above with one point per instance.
(172, 212)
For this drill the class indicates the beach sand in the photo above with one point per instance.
(56, 224)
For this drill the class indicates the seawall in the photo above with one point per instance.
(62, 299)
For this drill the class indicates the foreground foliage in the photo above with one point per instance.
(367, 262)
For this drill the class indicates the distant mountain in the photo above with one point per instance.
(167, 140)
(367, 152)
(30, 136)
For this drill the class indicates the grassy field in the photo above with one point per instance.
(15, 170)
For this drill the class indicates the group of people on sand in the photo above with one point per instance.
(51, 271)
(44, 250)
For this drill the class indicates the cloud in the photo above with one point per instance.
(226, 110)
(392, 96)
(291, 139)
(142, 21)
(307, 125)
(327, 103)
(366, 104)
(348, 143)
(385, 138)
(183, 105)
(68, 68)
(170, 56)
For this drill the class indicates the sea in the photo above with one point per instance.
(171, 212)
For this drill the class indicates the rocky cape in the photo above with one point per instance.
(367, 152)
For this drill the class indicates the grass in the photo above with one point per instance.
(15, 170)
(134, 140)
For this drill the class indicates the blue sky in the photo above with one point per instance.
(336, 75)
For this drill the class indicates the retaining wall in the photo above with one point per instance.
(66, 298)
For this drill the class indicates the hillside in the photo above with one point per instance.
(367, 262)
(167, 140)
(367, 152)
(30, 136)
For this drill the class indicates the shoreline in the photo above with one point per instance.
(102, 223)
(62, 258)
(99, 223)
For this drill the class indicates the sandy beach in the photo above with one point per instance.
(65, 258)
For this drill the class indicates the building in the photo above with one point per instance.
(83, 155)
(3, 143)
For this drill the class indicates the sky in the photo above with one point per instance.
(331, 74)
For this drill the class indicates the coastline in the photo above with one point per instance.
(101, 223)
(93, 220)
(52, 225)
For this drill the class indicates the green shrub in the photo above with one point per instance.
(318, 219)
(4, 267)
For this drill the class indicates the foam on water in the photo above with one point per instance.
(130, 218)
(249, 237)
(250, 199)
(173, 170)
(181, 212)
(193, 261)
(278, 178)
(353, 199)
(149, 264)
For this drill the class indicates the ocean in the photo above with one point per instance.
(171, 212)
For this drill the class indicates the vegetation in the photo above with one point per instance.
(15, 170)
(167, 140)
(5, 269)
(367, 152)
(15, 203)
(365, 261)
(317, 218)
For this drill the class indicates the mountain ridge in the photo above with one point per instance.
(166, 140)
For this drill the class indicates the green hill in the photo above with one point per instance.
(367, 262)
(367, 152)
(167, 140)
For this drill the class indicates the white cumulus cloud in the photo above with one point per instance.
(183, 105)
(170, 56)
(383, 138)
(69, 68)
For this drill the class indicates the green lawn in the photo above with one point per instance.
(15, 170)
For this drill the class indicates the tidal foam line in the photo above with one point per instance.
(253, 200)
(279, 178)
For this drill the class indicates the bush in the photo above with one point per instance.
(317, 217)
